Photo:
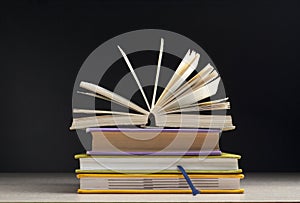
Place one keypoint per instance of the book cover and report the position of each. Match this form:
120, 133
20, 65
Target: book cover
154, 141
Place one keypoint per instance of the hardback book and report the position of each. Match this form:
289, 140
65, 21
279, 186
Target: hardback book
154, 141
183, 102
159, 183
225, 163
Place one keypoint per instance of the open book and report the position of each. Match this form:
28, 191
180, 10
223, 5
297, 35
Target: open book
179, 105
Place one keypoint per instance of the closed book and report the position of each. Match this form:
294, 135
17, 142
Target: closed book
158, 183
124, 164
156, 141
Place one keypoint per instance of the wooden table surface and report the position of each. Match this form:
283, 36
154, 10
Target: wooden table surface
61, 187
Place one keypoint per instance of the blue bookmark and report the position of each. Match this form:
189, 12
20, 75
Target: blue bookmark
188, 180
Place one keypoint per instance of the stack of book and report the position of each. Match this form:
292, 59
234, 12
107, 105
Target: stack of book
120, 163
181, 154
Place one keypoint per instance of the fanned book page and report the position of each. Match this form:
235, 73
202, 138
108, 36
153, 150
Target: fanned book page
179, 105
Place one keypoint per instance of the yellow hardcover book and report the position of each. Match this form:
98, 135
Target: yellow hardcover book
236, 191
158, 183
78, 171
225, 163
240, 176
223, 155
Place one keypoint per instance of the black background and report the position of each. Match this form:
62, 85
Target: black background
255, 46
